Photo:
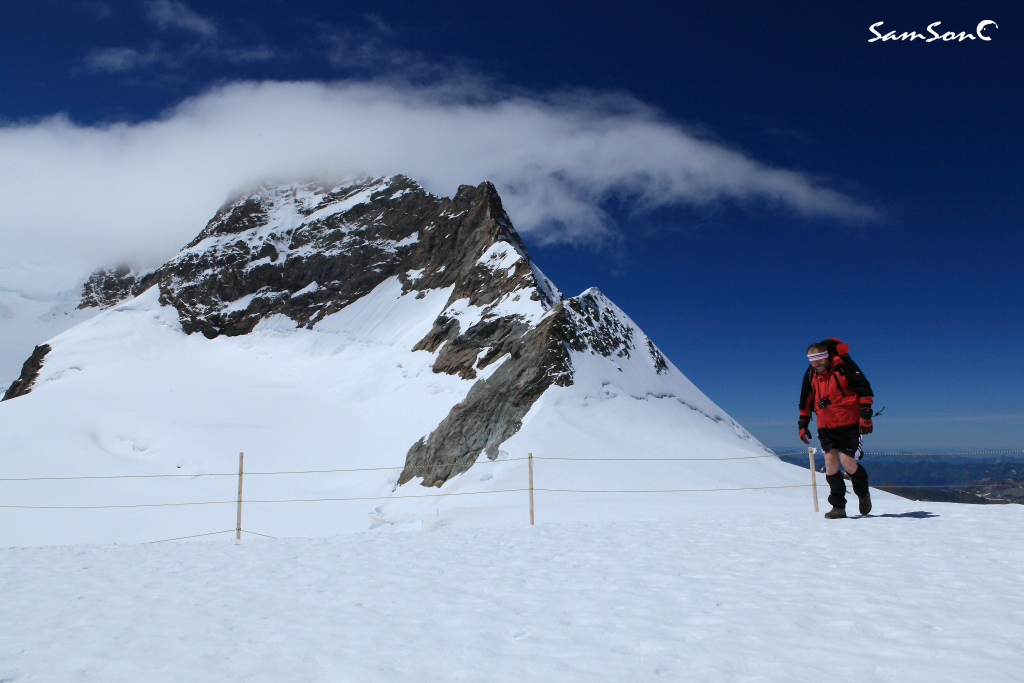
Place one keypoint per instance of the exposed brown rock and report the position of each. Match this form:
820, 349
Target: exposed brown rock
106, 287
29, 373
494, 407
346, 254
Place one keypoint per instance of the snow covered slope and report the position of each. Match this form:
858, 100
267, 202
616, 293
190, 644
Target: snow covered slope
370, 327
36, 303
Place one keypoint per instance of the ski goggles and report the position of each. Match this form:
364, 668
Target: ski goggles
817, 356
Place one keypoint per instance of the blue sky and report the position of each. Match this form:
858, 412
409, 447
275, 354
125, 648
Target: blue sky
741, 180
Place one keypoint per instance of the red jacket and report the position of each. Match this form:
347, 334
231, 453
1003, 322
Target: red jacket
837, 394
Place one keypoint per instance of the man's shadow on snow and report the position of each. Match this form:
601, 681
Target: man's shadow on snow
920, 514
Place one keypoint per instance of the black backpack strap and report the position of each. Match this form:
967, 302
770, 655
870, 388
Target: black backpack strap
855, 378
806, 400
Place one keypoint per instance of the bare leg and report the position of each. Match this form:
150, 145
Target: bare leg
832, 461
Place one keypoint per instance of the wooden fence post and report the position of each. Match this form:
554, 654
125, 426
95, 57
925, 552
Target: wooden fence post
529, 460
814, 480
238, 523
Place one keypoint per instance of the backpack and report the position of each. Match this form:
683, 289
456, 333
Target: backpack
836, 348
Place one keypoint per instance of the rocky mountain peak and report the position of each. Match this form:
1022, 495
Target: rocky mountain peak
304, 252
291, 256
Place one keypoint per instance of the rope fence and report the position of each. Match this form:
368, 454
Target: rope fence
252, 474
212, 533
286, 500
383, 469
531, 489
196, 475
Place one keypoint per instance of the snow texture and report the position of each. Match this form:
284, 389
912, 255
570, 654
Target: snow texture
738, 587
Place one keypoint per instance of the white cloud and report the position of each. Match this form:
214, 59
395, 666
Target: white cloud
121, 59
173, 14
126, 59
142, 190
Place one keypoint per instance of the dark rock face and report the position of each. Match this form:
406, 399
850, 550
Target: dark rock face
660, 364
495, 336
538, 357
106, 287
305, 253
29, 373
595, 327
494, 407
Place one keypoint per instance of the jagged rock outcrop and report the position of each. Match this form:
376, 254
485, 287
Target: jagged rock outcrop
494, 407
537, 359
306, 252
107, 286
29, 373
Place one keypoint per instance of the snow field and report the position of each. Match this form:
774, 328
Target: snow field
126, 393
743, 588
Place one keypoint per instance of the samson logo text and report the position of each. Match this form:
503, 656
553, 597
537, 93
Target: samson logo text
947, 36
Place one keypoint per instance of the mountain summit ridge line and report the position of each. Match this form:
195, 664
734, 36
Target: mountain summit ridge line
290, 256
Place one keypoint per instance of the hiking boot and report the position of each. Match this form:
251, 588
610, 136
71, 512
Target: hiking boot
859, 478
836, 513
865, 503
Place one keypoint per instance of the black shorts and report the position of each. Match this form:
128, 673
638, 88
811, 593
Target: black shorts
845, 438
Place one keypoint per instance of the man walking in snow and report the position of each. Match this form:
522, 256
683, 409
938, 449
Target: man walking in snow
836, 389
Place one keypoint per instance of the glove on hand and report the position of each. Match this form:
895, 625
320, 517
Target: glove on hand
805, 433
866, 413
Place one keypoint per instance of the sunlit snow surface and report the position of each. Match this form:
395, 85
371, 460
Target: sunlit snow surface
738, 587
126, 393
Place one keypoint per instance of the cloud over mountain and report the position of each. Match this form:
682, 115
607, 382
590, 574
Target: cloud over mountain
142, 189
